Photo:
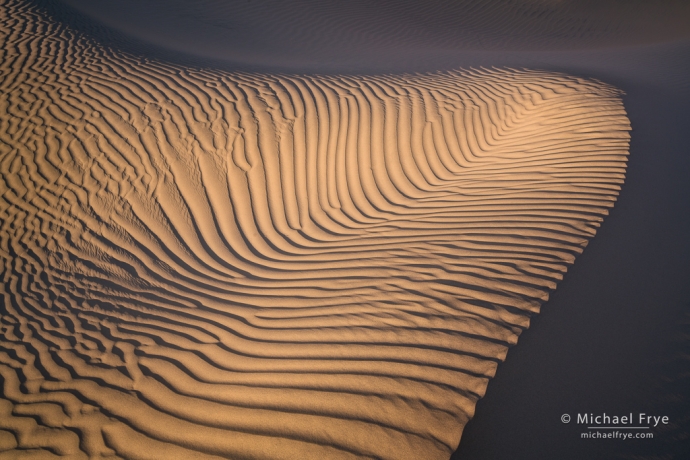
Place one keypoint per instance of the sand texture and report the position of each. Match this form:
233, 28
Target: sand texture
203, 264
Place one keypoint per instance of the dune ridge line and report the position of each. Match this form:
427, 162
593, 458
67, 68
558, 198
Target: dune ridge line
204, 264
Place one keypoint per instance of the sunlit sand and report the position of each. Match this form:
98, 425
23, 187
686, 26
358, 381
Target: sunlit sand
208, 264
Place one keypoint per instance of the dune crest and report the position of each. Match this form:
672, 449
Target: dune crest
202, 264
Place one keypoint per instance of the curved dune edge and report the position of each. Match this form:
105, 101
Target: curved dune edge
201, 264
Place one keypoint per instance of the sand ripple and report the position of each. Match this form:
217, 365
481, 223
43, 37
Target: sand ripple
199, 264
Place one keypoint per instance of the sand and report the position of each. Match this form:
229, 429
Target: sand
200, 263
612, 337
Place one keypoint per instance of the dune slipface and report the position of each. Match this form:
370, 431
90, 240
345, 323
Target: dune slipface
202, 264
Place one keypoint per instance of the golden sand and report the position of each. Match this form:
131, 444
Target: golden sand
202, 264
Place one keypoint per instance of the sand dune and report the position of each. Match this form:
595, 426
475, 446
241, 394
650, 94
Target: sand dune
203, 264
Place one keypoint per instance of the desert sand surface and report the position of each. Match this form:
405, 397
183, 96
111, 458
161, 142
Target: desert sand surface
207, 263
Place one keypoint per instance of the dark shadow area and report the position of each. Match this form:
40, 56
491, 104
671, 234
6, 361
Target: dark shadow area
326, 36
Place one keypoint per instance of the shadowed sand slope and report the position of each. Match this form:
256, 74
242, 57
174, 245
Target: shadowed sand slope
314, 33
199, 264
